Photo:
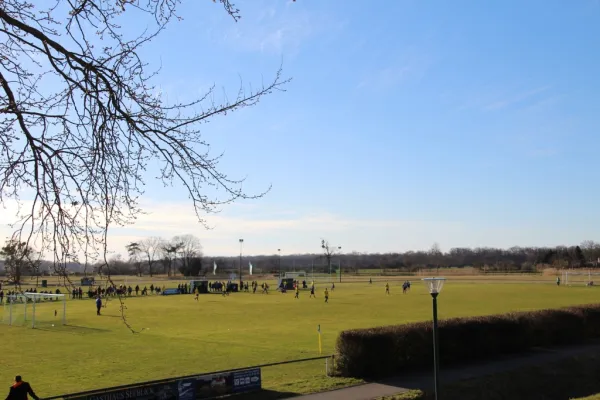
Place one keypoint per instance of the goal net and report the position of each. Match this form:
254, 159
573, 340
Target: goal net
581, 278
35, 310
300, 275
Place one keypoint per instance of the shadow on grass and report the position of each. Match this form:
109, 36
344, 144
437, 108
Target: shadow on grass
569, 378
71, 329
265, 394
111, 316
80, 328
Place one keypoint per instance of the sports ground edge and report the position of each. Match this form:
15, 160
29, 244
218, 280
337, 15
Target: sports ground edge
197, 387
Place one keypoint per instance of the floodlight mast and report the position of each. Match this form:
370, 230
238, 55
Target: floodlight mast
435, 285
279, 251
241, 244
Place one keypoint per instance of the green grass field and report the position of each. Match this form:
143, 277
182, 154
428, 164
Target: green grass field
182, 336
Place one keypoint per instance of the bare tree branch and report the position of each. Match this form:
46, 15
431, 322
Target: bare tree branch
81, 122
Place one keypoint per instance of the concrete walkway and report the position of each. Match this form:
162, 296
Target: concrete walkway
370, 391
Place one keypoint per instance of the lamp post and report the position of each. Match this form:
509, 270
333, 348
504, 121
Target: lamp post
241, 244
340, 264
279, 252
434, 285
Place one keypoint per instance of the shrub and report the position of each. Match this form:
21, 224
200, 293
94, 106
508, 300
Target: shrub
384, 351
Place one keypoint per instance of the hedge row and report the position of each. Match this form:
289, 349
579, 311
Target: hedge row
385, 351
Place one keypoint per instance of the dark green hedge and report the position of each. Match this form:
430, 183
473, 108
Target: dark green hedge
389, 350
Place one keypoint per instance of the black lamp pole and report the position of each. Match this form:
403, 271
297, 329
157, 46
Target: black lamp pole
436, 354
340, 263
241, 243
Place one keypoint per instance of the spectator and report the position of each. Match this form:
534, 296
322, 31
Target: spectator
20, 390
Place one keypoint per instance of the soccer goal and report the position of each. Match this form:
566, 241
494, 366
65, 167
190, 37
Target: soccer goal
581, 277
300, 275
35, 310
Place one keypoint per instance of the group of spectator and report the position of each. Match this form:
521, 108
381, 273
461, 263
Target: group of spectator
220, 287
184, 288
229, 286
124, 290
18, 294
128, 290
78, 292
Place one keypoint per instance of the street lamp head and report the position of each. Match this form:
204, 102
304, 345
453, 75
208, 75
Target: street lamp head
241, 240
434, 285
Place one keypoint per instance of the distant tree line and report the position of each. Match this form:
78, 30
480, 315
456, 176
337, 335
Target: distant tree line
182, 255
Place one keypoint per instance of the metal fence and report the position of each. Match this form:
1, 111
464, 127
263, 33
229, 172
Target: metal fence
141, 385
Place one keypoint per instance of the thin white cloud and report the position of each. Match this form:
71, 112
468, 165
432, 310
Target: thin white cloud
266, 230
543, 153
515, 99
410, 67
281, 29
386, 78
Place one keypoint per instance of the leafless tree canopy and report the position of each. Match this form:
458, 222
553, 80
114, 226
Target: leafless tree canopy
81, 120
151, 249
329, 251
19, 259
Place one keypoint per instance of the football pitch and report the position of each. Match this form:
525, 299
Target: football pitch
181, 336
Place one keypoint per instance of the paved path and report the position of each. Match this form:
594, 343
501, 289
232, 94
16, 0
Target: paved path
370, 391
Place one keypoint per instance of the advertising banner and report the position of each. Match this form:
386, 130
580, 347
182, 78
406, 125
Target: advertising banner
200, 387
168, 292
246, 381
164, 391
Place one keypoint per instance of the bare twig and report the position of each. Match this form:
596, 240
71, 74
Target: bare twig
80, 121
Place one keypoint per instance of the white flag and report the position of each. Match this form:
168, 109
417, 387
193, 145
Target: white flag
214, 267
250, 264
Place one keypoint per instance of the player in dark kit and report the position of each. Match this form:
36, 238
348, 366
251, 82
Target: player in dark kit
312, 292
326, 296
98, 305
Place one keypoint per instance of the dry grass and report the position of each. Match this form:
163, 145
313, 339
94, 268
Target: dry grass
188, 337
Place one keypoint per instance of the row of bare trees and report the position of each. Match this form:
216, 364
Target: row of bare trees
525, 259
149, 255
183, 254
516, 258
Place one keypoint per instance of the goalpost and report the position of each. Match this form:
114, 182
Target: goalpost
295, 275
580, 277
35, 309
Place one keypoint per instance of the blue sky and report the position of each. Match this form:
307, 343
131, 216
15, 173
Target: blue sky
406, 123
